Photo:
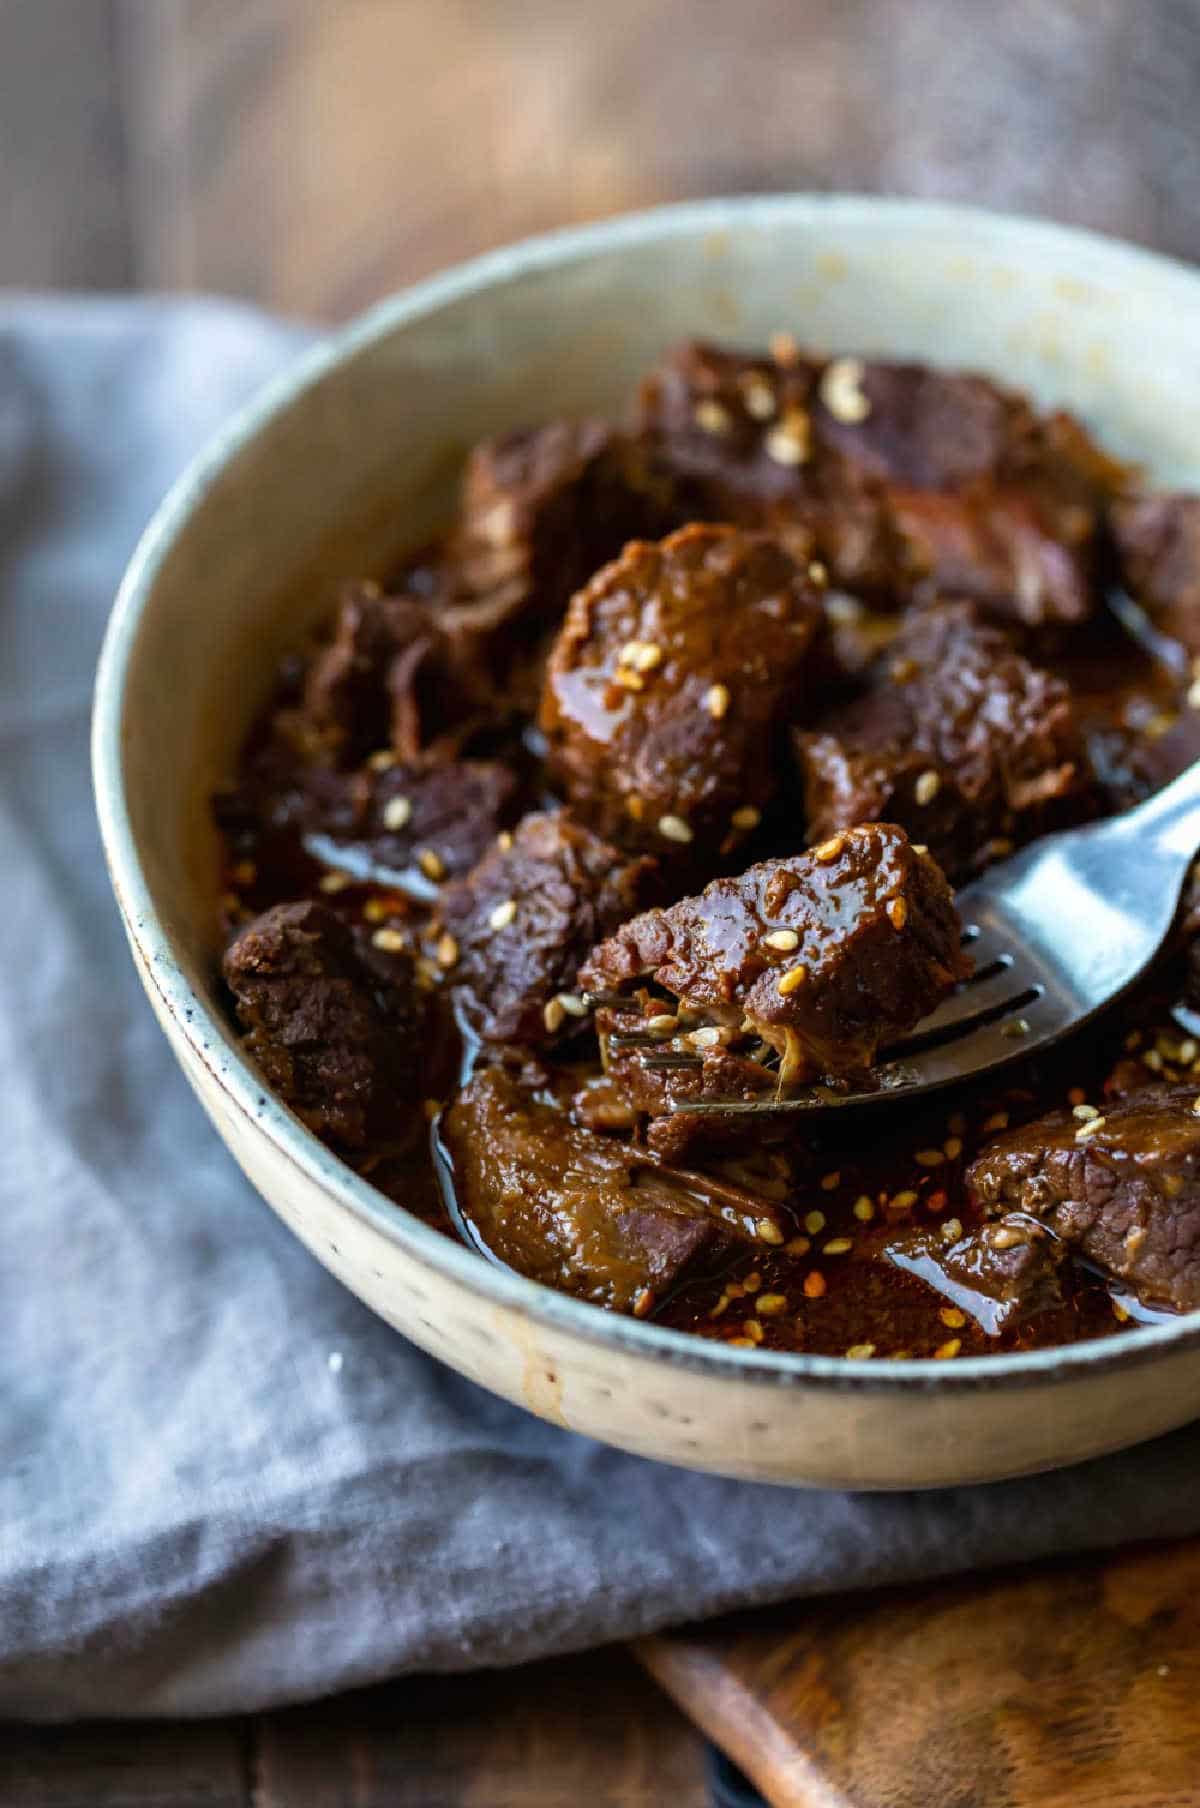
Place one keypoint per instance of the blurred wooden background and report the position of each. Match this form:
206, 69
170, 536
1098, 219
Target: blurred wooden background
313, 154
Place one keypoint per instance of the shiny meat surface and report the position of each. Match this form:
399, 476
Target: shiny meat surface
958, 738
825, 956
669, 687
583, 1212
1122, 1187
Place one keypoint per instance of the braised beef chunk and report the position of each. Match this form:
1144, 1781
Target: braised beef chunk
824, 956
1122, 1189
1158, 547
649, 1093
333, 1024
1000, 1274
894, 475
584, 1213
670, 683
389, 679
958, 738
514, 931
542, 508
410, 823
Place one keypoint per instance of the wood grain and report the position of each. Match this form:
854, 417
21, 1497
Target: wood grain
1063, 1686
589, 1731
120, 1766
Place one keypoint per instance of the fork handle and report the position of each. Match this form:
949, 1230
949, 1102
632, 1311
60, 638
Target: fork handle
1172, 815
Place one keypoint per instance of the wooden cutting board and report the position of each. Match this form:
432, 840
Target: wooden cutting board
1066, 1685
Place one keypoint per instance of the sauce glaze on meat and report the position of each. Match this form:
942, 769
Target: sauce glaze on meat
694, 712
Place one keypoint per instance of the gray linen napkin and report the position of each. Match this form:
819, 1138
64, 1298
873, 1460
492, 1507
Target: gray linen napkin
224, 1485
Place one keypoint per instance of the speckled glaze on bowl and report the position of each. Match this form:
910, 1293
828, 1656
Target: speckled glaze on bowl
352, 455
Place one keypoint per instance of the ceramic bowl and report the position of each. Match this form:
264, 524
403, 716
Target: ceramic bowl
352, 456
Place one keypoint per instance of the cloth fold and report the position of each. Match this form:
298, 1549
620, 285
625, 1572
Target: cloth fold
225, 1485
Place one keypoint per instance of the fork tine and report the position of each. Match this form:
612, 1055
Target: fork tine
976, 997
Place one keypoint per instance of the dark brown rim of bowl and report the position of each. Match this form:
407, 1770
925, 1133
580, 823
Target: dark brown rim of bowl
210, 1038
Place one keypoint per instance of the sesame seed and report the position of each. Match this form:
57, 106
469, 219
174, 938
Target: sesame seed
629, 652
1085, 1112
758, 396
947, 1351
740, 1343
841, 391
572, 1004
799, 1246
920, 847
752, 1329
635, 806
1188, 1050
898, 913
814, 1285
904, 670
863, 1208
647, 657
927, 787
813, 1222
952, 1318
397, 813
953, 1147
643, 1303
768, 1231
376, 911
721, 1306
904, 1201
1193, 694
390, 941
746, 817
1196, 1107
334, 882
951, 1230
504, 840
552, 1015
829, 850
783, 939
629, 680
998, 1121
431, 864
705, 1038
503, 914
831, 1181
1006, 1237
1014, 1030
930, 1158
1120, 1313
838, 1246
860, 1352
784, 350
664, 1021
711, 416
819, 574
674, 828
716, 701
379, 762
791, 441
790, 981
770, 1305
1089, 1128
1153, 1060
447, 950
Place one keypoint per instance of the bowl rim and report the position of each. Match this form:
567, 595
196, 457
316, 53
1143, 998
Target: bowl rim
211, 1041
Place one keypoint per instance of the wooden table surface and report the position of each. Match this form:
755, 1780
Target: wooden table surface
311, 157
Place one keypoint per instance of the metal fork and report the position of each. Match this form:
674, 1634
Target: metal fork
1057, 933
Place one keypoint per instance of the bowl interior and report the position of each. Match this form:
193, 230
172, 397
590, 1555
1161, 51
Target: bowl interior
354, 456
